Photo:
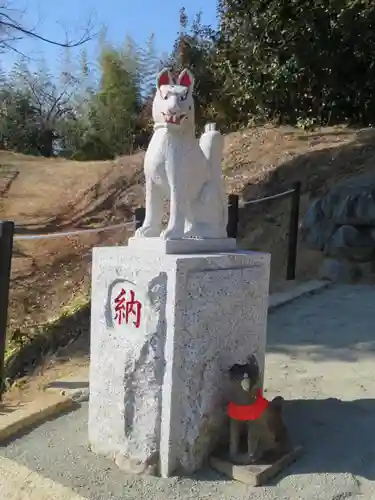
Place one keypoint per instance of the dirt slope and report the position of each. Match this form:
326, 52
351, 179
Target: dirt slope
56, 195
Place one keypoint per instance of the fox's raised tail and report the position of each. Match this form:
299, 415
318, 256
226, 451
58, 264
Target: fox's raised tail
212, 144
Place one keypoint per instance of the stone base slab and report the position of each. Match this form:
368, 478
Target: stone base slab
183, 245
158, 382
255, 474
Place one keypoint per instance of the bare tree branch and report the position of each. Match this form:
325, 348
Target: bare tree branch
12, 31
13, 26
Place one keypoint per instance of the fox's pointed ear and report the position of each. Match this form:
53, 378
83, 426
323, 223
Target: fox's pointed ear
252, 360
186, 79
254, 366
164, 78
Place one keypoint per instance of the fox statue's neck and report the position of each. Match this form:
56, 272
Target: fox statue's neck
187, 132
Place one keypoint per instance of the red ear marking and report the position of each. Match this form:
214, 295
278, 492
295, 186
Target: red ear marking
185, 79
164, 78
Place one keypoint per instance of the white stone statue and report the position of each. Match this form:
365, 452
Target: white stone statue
182, 169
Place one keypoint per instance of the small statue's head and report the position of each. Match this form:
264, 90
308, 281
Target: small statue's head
245, 376
173, 104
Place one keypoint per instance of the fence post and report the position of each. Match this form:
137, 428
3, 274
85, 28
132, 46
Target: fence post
139, 217
233, 201
293, 232
6, 249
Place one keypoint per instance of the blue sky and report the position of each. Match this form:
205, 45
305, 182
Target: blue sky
137, 18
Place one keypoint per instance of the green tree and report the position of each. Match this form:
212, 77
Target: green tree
115, 106
18, 121
112, 104
150, 63
195, 48
299, 61
85, 112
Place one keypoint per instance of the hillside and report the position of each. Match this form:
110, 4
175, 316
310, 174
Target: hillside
56, 195
51, 277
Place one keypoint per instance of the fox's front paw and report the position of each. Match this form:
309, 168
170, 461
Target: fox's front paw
172, 234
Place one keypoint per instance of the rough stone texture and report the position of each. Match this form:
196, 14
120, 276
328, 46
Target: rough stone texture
351, 243
316, 230
162, 387
351, 202
346, 271
225, 311
126, 363
342, 222
339, 271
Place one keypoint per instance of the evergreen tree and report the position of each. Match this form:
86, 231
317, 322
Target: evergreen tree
195, 48
299, 61
115, 106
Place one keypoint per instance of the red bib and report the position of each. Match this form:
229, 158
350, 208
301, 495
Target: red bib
248, 412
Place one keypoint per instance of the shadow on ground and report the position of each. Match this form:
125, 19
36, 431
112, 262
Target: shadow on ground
6, 408
337, 437
334, 324
59, 384
67, 338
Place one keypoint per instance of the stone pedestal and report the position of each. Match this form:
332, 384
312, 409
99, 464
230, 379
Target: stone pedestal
165, 328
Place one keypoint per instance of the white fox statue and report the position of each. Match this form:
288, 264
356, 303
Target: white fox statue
179, 167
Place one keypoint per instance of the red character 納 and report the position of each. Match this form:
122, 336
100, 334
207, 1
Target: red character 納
126, 308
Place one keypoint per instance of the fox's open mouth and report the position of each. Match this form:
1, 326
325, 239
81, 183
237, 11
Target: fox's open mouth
175, 119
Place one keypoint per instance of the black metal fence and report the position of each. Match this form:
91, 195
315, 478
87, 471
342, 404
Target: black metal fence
233, 219
8, 234
294, 193
6, 250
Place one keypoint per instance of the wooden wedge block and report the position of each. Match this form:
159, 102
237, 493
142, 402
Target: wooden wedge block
254, 475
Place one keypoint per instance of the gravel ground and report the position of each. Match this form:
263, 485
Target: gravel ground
321, 359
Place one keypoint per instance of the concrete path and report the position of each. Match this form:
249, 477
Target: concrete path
321, 358
20, 483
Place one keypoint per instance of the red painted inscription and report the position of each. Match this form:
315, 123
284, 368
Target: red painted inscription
126, 308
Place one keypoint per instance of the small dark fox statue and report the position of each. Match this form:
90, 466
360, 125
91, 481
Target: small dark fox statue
257, 430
